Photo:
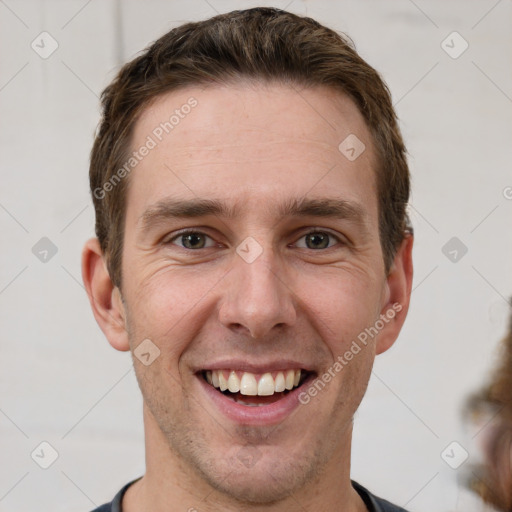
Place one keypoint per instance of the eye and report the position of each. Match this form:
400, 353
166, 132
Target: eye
193, 240
190, 240
318, 240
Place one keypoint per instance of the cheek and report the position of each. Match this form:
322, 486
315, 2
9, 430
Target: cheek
170, 306
341, 303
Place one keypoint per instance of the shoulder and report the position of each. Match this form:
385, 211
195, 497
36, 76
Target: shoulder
374, 503
115, 504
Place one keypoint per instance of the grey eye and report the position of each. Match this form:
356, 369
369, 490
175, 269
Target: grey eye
318, 240
191, 240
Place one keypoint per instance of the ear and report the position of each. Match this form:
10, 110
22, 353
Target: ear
105, 298
397, 295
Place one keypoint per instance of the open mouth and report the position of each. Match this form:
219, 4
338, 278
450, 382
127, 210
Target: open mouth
255, 390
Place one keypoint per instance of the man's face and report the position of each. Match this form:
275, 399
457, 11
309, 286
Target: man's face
267, 290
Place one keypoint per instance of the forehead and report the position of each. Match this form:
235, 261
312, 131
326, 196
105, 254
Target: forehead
253, 144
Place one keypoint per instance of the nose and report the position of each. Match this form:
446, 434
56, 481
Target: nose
257, 297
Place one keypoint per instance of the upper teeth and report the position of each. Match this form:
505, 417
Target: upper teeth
249, 384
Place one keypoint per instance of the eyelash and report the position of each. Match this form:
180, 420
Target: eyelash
197, 232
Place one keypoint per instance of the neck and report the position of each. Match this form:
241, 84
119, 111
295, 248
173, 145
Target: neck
171, 484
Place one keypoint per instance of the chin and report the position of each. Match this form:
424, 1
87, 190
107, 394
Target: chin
258, 485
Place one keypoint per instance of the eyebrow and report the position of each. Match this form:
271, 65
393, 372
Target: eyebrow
170, 208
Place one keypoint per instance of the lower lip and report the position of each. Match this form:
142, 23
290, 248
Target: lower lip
269, 414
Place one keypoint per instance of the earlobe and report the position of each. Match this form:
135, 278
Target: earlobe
104, 297
397, 295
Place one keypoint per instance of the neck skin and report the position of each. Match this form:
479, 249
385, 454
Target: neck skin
170, 482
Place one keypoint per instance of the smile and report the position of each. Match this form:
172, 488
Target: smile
255, 389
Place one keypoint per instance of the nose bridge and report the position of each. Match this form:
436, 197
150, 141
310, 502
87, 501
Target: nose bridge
256, 296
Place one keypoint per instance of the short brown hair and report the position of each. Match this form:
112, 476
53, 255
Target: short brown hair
260, 44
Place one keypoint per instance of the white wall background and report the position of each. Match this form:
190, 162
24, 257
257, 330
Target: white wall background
61, 382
